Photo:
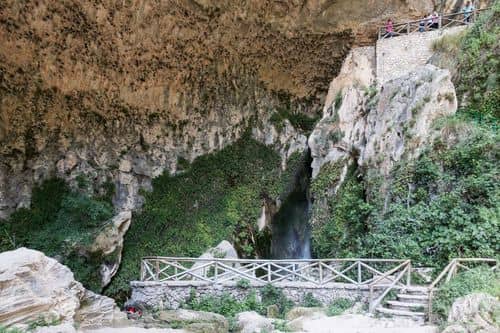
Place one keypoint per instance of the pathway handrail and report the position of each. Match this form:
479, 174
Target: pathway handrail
399, 29
320, 272
275, 260
404, 268
451, 270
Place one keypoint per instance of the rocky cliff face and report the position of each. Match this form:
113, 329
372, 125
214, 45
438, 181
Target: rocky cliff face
121, 91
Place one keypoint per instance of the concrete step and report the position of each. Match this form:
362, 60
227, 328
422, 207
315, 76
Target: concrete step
416, 290
397, 305
408, 298
401, 313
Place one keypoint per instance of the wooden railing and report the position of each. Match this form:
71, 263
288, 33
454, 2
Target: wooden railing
444, 21
323, 272
451, 270
402, 271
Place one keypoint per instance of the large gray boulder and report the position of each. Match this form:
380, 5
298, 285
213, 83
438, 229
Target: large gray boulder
194, 321
33, 285
252, 322
474, 313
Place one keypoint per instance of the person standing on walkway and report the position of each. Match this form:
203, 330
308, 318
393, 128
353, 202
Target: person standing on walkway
468, 10
435, 21
421, 24
389, 28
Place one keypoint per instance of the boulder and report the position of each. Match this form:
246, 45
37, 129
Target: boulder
109, 245
252, 322
273, 311
474, 313
34, 286
299, 311
223, 250
194, 321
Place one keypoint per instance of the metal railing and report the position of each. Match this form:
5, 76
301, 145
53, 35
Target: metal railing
444, 21
451, 270
322, 272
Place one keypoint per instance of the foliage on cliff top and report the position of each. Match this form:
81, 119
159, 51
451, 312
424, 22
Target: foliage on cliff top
59, 223
218, 197
473, 57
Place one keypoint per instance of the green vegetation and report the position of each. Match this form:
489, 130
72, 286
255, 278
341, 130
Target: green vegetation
219, 196
479, 280
61, 222
309, 301
274, 296
298, 119
226, 305
341, 221
338, 306
229, 306
441, 205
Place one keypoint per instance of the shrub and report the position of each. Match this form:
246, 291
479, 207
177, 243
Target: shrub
243, 284
473, 281
309, 301
60, 222
338, 306
273, 296
225, 305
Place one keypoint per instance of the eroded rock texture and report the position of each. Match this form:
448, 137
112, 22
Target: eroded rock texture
119, 91
33, 286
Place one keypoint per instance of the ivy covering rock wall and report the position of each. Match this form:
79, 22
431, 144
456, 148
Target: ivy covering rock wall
219, 196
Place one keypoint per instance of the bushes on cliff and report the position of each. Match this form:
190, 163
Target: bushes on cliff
59, 223
219, 196
440, 206
479, 280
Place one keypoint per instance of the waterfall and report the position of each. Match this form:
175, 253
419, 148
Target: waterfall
290, 229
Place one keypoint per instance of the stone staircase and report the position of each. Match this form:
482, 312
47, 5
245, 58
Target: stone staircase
410, 303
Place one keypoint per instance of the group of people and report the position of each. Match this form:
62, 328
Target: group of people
431, 21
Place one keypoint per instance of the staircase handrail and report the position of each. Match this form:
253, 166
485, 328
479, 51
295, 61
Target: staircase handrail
406, 270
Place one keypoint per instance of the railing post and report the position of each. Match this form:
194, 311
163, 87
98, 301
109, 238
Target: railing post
157, 270
431, 294
216, 273
320, 273
359, 272
408, 277
142, 270
408, 28
269, 272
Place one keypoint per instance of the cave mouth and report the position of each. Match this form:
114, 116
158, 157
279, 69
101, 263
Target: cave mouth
290, 229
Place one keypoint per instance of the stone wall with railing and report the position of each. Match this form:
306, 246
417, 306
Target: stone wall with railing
398, 56
173, 295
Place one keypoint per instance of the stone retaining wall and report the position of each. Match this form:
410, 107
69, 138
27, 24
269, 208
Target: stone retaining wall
171, 296
399, 56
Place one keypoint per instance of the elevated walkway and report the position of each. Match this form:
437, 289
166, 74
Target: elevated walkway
409, 49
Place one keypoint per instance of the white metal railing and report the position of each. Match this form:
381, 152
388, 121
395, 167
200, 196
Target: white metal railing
444, 21
321, 272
